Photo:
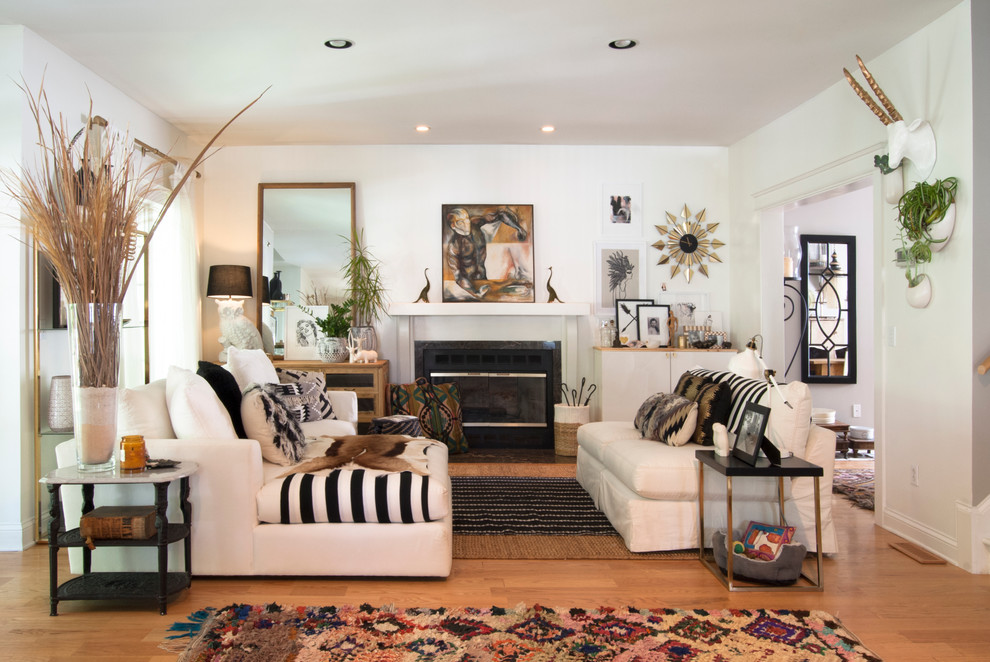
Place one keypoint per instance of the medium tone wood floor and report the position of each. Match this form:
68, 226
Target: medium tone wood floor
902, 610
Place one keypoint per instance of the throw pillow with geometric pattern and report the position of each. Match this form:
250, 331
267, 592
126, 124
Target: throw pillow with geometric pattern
438, 407
305, 395
689, 385
714, 402
672, 421
645, 409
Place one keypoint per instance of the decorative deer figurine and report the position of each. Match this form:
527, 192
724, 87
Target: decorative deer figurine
914, 141
359, 355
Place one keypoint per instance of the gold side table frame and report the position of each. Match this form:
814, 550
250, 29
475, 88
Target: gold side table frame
730, 467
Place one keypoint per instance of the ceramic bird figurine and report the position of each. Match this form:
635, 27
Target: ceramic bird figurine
424, 294
235, 329
552, 292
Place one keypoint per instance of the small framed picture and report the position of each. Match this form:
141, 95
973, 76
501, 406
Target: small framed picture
749, 438
653, 325
620, 273
627, 318
622, 209
301, 333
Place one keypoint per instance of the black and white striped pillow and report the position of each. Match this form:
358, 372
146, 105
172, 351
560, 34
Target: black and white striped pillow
358, 495
743, 390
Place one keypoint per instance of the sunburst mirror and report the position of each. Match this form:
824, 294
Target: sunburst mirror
688, 243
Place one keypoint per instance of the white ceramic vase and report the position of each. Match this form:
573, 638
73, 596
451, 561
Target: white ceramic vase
942, 230
920, 295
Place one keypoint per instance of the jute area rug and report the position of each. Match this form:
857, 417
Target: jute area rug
533, 511
268, 633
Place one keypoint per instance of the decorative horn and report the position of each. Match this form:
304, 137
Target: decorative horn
894, 115
867, 99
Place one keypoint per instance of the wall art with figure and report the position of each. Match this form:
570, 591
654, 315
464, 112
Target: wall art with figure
620, 273
488, 253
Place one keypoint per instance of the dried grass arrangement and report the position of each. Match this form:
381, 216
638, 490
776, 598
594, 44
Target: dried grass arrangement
81, 206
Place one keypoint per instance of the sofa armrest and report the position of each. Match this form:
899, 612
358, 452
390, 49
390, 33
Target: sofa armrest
819, 450
222, 498
344, 405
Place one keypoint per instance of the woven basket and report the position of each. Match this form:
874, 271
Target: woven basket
566, 421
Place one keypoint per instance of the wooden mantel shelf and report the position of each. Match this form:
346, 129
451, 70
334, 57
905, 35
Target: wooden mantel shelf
544, 309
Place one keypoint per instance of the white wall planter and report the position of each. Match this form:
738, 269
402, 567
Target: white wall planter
893, 186
942, 230
920, 295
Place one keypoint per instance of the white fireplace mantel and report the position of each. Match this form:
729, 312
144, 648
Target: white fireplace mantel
500, 321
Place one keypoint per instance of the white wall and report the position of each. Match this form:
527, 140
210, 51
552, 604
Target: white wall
400, 190
69, 88
924, 382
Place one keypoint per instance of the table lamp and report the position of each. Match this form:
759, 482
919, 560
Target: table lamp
749, 363
230, 284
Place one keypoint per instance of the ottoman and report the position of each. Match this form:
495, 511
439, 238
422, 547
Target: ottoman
396, 424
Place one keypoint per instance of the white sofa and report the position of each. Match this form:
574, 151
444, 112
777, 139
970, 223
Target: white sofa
229, 539
649, 490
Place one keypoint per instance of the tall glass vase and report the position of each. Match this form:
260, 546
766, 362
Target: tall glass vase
94, 342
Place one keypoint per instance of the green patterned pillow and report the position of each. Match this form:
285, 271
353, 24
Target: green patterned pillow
438, 407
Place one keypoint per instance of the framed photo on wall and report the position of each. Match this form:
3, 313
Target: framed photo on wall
627, 318
620, 273
622, 210
653, 327
487, 253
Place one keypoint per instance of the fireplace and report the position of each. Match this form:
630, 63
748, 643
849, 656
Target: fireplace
507, 388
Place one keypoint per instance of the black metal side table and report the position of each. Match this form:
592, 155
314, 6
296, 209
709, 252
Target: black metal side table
731, 467
121, 585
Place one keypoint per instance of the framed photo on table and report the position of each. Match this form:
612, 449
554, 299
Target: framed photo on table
627, 318
652, 321
749, 438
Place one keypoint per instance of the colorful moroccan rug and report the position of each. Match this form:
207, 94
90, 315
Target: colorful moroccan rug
268, 633
855, 485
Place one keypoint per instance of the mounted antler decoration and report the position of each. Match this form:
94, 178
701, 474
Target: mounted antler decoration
915, 142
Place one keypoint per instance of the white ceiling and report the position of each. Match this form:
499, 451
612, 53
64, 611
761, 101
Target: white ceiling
706, 72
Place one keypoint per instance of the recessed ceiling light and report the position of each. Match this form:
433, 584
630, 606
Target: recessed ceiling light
422, 128
549, 128
338, 44
622, 44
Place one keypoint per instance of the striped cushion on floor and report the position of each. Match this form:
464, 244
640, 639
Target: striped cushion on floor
357, 495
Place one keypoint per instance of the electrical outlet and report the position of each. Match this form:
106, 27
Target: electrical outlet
857, 411
914, 475
892, 336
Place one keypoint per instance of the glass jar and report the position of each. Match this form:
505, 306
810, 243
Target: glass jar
133, 453
606, 333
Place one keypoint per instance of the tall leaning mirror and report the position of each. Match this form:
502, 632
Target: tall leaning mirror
303, 241
829, 288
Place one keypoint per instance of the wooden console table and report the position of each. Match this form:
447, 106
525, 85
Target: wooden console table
368, 380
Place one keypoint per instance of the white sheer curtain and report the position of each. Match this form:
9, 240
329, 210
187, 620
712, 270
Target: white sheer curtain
173, 287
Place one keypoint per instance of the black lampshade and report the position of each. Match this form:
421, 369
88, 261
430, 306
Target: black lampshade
266, 296
229, 281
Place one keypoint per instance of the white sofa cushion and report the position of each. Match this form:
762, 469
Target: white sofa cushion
194, 408
250, 366
143, 410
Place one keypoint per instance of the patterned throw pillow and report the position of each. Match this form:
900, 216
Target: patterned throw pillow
714, 402
438, 407
645, 409
742, 390
689, 385
672, 421
305, 395
268, 421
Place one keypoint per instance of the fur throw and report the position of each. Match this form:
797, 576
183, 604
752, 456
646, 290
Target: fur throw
384, 452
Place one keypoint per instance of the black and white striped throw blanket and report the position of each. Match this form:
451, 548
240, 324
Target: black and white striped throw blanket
353, 495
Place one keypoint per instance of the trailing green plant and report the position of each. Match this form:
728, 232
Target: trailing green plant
337, 321
364, 279
921, 207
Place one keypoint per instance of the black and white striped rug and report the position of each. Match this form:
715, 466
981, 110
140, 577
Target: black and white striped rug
504, 505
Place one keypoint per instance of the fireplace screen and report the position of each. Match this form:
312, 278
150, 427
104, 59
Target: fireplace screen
500, 399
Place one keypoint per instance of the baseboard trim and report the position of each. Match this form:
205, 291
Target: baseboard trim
14, 538
927, 538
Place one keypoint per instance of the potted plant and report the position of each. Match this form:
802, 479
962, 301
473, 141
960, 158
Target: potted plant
926, 216
367, 291
333, 345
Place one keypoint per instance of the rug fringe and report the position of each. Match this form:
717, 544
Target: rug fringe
195, 626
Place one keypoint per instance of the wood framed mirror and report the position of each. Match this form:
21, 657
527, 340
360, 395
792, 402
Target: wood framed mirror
828, 285
304, 232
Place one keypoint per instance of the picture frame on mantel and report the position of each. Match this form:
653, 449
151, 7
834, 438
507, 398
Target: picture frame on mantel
622, 210
627, 318
487, 253
620, 273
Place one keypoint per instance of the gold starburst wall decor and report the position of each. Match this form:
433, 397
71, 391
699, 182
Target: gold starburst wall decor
688, 243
